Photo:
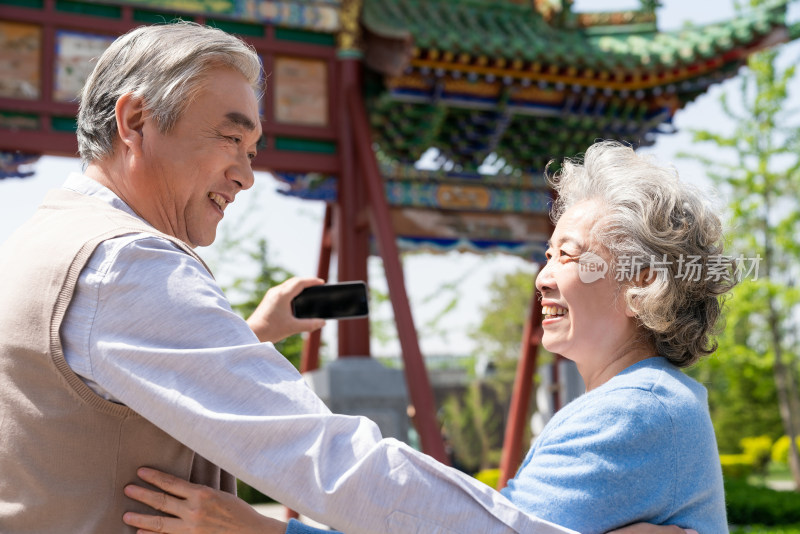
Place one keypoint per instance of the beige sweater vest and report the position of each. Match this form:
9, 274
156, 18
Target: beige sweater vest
66, 453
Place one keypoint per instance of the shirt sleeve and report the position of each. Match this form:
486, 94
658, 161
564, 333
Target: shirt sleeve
165, 342
612, 462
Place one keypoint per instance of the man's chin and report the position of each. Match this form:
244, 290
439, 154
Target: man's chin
201, 241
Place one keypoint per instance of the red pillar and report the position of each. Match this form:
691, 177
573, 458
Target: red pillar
309, 359
521, 396
352, 243
419, 387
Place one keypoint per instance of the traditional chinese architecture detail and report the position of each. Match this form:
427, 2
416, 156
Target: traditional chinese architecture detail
528, 83
349, 37
532, 92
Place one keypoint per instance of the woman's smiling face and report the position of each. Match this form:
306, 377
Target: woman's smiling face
585, 317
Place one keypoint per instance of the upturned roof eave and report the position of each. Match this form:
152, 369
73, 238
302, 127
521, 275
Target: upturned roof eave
592, 51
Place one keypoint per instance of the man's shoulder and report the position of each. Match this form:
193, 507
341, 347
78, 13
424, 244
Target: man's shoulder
111, 234
134, 249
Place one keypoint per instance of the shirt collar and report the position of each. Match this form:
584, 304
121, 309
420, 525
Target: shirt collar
84, 185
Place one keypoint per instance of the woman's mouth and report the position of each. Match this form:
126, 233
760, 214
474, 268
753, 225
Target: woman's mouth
551, 312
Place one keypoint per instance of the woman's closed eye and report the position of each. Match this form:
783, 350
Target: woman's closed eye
567, 257
562, 255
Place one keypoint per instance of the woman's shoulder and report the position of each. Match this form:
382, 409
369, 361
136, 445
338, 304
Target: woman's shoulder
668, 386
652, 395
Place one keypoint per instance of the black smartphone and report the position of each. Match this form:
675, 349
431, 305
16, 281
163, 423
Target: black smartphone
347, 300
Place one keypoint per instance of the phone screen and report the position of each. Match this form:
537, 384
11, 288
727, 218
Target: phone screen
347, 300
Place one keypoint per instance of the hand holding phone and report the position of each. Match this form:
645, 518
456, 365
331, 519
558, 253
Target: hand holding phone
346, 300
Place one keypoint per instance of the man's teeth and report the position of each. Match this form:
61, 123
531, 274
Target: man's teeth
553, 310
221, 202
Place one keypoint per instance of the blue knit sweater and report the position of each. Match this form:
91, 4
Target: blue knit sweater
638, 448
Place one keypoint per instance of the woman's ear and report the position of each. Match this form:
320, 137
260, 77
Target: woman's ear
130, 115
643, 278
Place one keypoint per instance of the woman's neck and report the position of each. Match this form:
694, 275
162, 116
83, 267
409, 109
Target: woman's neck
597, 371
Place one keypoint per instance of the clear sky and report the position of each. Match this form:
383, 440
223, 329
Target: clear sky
293, 227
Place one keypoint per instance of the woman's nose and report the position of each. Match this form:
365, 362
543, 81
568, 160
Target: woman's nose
545, 280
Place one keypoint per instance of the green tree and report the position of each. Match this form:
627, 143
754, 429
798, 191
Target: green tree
498, 337
741, 393
474, 428
761, 174
474, 422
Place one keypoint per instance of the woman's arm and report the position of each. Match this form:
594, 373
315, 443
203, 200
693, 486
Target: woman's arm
201, 510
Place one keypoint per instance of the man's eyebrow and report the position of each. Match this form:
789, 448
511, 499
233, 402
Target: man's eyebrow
238, 119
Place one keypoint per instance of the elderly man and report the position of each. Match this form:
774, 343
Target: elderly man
118, 349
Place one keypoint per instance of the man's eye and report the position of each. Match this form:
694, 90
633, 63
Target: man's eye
234, 139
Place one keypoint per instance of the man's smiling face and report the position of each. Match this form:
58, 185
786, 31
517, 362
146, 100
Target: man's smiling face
196, 169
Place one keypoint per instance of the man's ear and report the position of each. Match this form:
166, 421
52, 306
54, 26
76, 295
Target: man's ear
130, 115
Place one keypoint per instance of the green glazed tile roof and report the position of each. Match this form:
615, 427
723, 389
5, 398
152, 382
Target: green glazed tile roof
497, 78
512, 30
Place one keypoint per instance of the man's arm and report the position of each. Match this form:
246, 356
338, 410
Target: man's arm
165, 342
202, 510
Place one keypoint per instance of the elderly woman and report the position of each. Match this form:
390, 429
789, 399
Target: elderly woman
631, 293
638, 445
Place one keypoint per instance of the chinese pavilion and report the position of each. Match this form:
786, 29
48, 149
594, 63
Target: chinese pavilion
358, 90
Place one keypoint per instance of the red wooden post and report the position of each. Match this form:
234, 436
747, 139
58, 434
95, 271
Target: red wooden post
419, 387
309, 360
352, 244
521, 396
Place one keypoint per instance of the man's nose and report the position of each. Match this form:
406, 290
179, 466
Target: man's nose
242, 174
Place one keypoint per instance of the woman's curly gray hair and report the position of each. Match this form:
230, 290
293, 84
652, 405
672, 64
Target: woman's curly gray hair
651, 220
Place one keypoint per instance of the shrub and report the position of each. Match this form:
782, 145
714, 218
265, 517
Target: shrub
736, 466
780, 450
753, 505
490, 477
250, 495
758, 449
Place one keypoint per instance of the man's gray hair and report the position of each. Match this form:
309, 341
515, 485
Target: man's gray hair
164, 65
651, 219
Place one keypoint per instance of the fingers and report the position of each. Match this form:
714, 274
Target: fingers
309, 325
158, 500
154, 499
296, 284
164, 481
151, 523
